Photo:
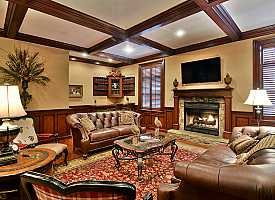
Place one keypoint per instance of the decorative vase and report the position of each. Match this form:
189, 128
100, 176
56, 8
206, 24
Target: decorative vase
175, 83
227, 80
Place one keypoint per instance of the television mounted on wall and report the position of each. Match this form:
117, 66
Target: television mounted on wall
201, 71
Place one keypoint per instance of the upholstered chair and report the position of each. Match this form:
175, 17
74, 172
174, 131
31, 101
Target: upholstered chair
43, 187
28, 137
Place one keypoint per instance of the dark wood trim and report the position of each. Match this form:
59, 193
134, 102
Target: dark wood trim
257, 67
105, 44
221, 17
48, 42
115, 57
14, 18
204, 45
267, 30
150, 43
91, 61
178, 12
66, 13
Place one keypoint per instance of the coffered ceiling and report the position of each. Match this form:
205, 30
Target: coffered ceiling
122, 32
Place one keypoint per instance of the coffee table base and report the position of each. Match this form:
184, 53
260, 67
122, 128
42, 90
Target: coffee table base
120, 153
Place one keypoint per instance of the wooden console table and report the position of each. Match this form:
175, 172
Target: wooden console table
36, 159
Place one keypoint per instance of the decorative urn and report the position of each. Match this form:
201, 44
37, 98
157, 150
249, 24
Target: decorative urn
227, 80
175, 83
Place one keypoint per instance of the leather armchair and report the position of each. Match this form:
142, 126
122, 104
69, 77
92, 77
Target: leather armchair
216, 175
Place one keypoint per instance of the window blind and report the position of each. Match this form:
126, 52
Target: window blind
268, 74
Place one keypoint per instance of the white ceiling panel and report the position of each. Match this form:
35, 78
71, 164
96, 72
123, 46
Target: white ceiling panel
131, 50
93, 57
194, 29
46, 26
3, 11
122, 13
251, 14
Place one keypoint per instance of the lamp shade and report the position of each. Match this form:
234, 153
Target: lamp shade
10, 102
258, 98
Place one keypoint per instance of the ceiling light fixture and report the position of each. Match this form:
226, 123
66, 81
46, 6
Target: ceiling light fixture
128, 49
73, 58
180, 33
97, 63
84, 54
110, 59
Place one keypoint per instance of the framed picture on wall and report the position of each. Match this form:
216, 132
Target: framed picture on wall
75, 91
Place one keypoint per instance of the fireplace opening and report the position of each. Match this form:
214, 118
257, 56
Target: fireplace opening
201, 117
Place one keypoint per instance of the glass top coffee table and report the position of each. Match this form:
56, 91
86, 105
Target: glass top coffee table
134, 148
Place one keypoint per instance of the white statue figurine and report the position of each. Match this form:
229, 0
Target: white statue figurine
158, 126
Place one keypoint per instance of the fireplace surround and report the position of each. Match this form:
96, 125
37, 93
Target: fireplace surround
221, 96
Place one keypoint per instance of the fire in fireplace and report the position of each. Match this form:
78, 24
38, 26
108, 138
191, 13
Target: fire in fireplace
201, 117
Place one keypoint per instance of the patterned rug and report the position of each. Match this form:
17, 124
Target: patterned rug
156, 170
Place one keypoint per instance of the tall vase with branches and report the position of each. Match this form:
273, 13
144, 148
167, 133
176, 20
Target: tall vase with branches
23, 67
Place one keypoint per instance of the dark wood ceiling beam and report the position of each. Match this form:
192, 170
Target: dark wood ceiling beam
63, 12
258, 32
105, 44
115, 57
150, 43
48, 42
215, 2
221, 17
178, 12
91, 61
14, 18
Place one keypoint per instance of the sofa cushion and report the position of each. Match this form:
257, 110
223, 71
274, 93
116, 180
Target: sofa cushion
107, 122
251, 131
264, 131
99, 124
103, 134
242, 144
114, 121
126, 118
87, 123
123, 129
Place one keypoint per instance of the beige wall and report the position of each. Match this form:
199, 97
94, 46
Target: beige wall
236, 59
82, 74
55, 94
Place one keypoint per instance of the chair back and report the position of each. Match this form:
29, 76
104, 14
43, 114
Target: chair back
42, 187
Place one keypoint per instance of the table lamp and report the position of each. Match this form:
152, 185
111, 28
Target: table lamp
258, 98
10, 107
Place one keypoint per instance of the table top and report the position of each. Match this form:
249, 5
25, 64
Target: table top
27, 160
146, 142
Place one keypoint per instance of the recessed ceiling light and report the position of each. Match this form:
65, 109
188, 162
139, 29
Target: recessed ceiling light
128, 49
73, 58
84, 54
97, 63
180, 33
110, 59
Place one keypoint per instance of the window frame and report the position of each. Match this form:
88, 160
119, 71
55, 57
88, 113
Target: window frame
162, 84
258, 46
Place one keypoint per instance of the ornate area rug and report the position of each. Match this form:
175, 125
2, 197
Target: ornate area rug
156, 170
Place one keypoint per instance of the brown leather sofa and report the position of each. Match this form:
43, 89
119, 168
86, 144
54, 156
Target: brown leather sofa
215, 174
107, 130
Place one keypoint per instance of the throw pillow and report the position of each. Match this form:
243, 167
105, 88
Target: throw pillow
242, 144
126, 118
87, 123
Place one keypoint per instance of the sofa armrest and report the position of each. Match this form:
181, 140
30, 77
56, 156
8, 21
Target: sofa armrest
250, 181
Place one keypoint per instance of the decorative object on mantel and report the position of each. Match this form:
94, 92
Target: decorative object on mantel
175, 83
258, 98
227, 80
23, 68
10, 107
158, 125
75, 91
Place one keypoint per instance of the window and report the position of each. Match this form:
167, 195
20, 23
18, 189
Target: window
264, 71
151, 85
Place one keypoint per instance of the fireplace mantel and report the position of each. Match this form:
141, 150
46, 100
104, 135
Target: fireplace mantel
225, 93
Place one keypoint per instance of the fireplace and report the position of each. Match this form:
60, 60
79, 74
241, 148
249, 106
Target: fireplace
201, 117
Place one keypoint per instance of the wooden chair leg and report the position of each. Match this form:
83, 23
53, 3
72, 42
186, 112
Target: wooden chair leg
66, 156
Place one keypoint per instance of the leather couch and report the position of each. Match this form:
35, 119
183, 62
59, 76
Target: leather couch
105, 134
216, 175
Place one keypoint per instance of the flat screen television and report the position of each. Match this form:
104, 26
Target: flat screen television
201, 71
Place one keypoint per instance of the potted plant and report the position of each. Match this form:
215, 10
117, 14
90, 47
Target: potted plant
23, 67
